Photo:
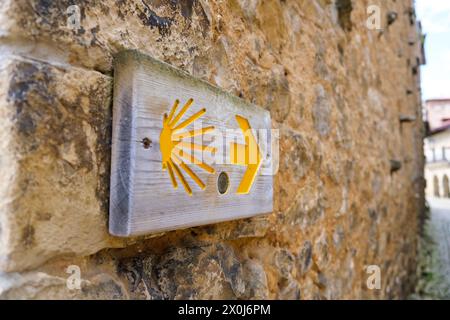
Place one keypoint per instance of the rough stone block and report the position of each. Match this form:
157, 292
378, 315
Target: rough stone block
55, 136
106, 27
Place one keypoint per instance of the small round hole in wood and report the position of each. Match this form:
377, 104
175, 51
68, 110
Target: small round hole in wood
147, 143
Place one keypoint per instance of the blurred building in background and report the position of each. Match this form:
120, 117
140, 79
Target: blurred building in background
437, 148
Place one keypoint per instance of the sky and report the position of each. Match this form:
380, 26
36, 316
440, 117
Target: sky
435, 18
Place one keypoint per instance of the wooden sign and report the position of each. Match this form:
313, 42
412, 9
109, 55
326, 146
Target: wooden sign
184, 153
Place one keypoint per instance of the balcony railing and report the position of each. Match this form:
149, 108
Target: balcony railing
438, 155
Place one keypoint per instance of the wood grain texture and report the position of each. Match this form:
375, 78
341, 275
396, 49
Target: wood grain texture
143, 199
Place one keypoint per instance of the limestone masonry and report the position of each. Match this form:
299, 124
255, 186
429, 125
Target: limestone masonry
349, 192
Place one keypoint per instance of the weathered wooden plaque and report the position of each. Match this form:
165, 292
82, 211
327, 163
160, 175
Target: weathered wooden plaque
184, 153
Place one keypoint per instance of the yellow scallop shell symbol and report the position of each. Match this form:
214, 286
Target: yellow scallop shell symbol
175, 151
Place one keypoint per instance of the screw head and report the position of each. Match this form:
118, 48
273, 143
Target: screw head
223, 183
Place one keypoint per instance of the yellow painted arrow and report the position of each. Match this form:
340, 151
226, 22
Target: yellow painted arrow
247, 155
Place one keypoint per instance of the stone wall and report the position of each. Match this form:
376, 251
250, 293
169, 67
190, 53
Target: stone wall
349, 192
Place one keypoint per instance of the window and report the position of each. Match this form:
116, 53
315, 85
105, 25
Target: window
436, 187
445, 187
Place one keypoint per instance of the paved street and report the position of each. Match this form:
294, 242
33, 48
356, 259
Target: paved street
440, 232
